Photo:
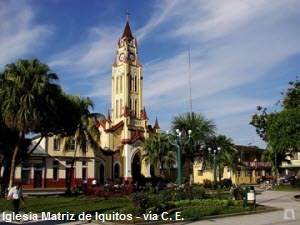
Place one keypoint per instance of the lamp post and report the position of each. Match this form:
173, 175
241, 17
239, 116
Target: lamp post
179, 141
215, 154
276, 170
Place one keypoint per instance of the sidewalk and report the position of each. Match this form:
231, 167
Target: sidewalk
289, 214
43, 192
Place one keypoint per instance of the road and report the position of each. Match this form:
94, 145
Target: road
288, 215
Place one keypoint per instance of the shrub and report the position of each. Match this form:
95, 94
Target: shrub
198, 192
127, 189
238, 192
141, 200
208, 183
297, 183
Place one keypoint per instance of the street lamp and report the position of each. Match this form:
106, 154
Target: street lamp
180, 135
276, 170
215, 153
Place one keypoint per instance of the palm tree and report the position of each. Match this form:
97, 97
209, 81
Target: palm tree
86, 133
158, 152
227, 154
231, 160
28, 91
202, 128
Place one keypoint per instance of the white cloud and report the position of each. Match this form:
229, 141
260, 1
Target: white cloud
92, 56
243, 40
19, 35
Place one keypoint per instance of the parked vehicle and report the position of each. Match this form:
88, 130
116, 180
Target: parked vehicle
264, 178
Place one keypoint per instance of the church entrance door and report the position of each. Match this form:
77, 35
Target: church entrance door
136, 168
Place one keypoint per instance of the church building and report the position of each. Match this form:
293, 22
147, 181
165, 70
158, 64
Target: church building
122, 133
127, 127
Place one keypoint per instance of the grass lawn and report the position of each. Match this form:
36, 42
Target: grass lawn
286, 187
74, 205
186, 208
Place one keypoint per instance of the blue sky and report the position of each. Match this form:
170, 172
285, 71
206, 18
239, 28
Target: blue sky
243, 52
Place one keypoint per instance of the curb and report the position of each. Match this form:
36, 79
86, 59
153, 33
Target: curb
296, 199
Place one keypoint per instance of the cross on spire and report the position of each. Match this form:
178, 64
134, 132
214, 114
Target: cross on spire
127, 14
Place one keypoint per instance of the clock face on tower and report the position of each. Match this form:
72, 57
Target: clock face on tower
131, 56
122, 57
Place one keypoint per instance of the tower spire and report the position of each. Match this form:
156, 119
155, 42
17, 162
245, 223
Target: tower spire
127, 32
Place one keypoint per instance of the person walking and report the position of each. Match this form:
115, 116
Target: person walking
15, 195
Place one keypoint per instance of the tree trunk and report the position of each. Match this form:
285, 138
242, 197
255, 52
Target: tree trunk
13, 161
5, 179
162, 171
191, 172
69, 181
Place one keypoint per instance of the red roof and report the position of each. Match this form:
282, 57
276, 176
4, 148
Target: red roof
248, 149
127, 31
115, 127
108, 117
125, 111
136, 137
156, 126
144, 114
98, 123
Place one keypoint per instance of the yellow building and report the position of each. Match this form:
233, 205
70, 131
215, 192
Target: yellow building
123, 132
292, 168
253, 168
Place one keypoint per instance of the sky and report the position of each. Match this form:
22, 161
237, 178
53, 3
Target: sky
243, 53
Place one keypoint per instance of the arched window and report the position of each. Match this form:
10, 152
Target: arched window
101, 174
117, 108
116, 171
120, 107
121, 78
130, 104
136, 108
135, 83
117, 84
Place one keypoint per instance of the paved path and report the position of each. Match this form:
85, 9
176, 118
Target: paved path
289, 215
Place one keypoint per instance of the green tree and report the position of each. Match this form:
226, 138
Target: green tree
27, 92
231, 160
158, 152
269, 156
281, 129
227, 156
85, 134
202, 128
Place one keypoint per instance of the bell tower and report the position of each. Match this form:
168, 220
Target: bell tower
127, 98
126, 128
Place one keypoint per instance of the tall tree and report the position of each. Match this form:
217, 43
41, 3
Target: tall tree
202, 128
158, 152
27, 92
85, 134
281, 129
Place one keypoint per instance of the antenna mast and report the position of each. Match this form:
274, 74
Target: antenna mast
190, 76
